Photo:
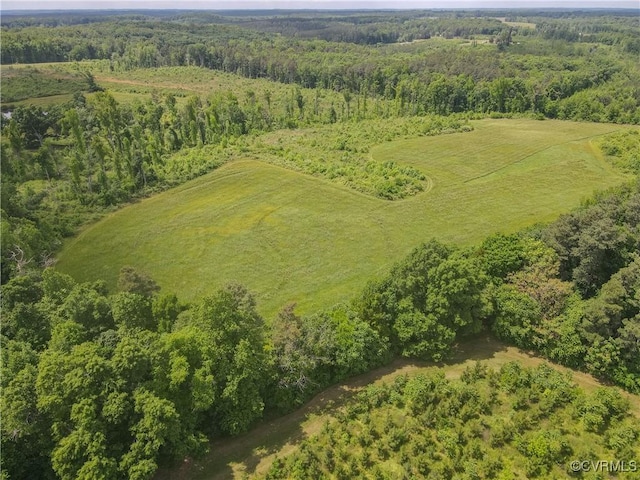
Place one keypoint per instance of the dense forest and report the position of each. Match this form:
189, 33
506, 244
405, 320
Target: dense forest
577, 68
112, 384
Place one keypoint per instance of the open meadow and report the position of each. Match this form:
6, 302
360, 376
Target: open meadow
290, 237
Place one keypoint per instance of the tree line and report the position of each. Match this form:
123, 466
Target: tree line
567, 68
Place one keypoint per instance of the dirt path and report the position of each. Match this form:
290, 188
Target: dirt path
253, 452
202, 86
141, 83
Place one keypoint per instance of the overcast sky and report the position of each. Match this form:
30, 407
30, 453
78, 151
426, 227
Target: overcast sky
307, 4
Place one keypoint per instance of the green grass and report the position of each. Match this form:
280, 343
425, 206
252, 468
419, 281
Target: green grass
530, 25
290, 237
41, 85
185, 81
44, 101
48, 83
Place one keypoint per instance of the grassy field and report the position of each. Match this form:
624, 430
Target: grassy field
140, 84
518, 24
51, 83
290, 237
252, 453
40, 85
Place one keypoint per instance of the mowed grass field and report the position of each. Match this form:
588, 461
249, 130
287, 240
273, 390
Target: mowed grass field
290, 237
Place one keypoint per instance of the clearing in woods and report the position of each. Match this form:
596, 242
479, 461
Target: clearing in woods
291, 237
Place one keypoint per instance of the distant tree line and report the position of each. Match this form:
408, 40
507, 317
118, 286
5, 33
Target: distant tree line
562, 69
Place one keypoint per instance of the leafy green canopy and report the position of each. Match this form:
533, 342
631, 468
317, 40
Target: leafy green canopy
115, 389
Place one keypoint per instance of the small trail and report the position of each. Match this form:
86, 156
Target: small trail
140, 83
522, 159
515, 162
252, 453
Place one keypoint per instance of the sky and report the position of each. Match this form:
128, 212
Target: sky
307, 4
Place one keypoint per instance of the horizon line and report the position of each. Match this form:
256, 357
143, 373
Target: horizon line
316, 9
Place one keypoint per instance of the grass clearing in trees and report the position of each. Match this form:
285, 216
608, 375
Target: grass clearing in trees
43, 83
291, 237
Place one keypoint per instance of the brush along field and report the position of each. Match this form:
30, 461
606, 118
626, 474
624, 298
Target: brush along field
290, 237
